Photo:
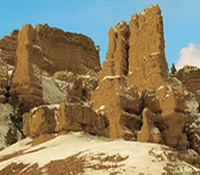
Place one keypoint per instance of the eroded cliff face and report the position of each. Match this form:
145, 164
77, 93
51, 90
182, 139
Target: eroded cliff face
8, 45
46, 50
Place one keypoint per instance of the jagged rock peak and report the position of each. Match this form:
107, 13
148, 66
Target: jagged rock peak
116, 62
147, 63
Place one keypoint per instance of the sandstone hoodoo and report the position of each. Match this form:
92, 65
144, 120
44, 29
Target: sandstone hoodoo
136, 57
57, 89
147, 63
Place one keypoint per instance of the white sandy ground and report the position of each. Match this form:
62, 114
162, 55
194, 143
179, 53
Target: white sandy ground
139, 161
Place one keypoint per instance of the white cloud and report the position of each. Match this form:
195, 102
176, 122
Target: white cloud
189, 56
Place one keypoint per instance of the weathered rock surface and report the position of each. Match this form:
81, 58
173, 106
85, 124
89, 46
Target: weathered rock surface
116, 62
65, 51
148, 132
193, 121
147, 63
170, 100
173, 130
119, 104
9, 134
149, 100
27, 78
8, 45
190, 77
3, 78
173, 119
40, 121
45, 49
49, 119
77, 117
64, 76
54, 90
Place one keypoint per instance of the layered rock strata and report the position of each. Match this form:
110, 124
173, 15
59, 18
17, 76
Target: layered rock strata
46, 49
65, 51
8, 45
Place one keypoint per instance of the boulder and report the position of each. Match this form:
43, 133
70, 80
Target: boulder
77, 117
40, 120
64, 76
173, 133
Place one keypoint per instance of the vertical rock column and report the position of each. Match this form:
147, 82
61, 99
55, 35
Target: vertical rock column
27, 81
116, 62
147, 63
112, 98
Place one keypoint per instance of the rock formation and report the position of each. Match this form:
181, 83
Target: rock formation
3, 78
116, 61
8, 45
121, 106
27, 79
46, 49
147, 63
148, 132
190, 77
65, 51
136, 56
64, 117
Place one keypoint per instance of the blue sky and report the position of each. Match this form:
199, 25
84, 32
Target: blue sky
94, 17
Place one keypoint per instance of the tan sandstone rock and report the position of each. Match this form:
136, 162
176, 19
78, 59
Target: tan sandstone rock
116, 62
76, 117
150, 100
8, 45
190, 77
173, 133
27, 79
39, 121
46, 49
148, 132
170, 100
119, 104
147, 63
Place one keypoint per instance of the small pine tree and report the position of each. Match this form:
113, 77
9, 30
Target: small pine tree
173, 69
